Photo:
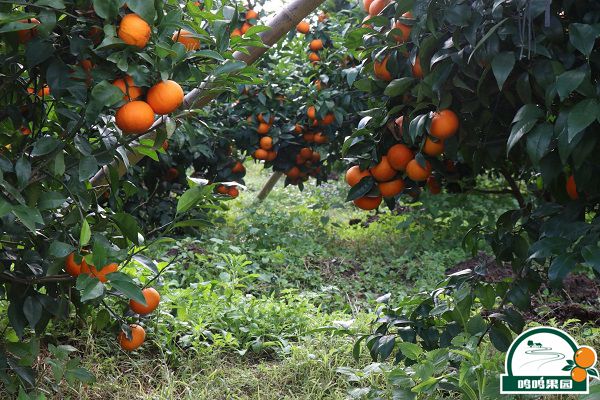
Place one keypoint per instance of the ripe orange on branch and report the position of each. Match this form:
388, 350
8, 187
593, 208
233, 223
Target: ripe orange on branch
444, 124
71, 267
303, 27
314, 57
316, 44
135, 117
404, 29
266, 143
128, 88
187, 39
391, 188
26, 35
355, 175
571, 188
399, 156
165, 97
416, 172
383, 171
134, 31
251, 14
377, 6
263, 128
138, 335
368, 203
100, 274
381, 71
152, 298
432, 148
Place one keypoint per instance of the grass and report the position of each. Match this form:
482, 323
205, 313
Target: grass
243, 305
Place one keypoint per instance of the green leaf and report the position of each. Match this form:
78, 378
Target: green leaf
143, 8
229, 67
59, 249
88, 166
124, 284
51, 200
502, 65
538, 142
85, 234
58, 4
28, 216
90, 287
38, 51
23, 172
569, 81
106, 94
128, 226
32, 309
486, 37
16, 318
189, 199
560, 268
398, 86
412, 351
582, 37
500, 336
518, 131
581, 116
591, 256
361, 188
107, 9
44, 145
79, 374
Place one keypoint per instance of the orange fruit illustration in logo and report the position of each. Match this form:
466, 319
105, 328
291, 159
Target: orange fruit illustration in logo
585, 357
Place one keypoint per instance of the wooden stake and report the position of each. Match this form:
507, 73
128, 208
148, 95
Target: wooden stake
269, 185
280, 25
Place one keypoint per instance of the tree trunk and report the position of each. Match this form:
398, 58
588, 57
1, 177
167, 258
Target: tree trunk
280, 25
269, 185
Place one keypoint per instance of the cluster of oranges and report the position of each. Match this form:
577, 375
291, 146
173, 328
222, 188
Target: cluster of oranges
265, 150
315, 46
400, 159
307, 163
231, 190
249, 20
151, 297
585, 357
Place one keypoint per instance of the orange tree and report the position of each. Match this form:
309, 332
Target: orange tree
464, 89
80, 81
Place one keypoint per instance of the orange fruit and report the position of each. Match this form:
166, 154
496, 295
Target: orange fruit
365, 25
399, 155
152, 298
404, 29
26, 35
134, 31
585, 357
383, 171
311, 112
432, 148
303, 27
236, 32
261, 154
417, 71
263, 128
71, 266
138, 335
245, 27
322, 17
87, 65
328, 119
391, 188
251, 14
368, 203
165, 145
381, 70
571, 188
316, 157
417, 173
318, 84
314, 57
25, 130
298, 128
233, 192
238, 168
367, 4
127, 86
293, 173
171, 174
260, 118
578, 374
308, 137
444, 124
355, 175
134, 117
266, 143
316, 44
377, 6
222, 189
271, 155
306, 153
165, 97
319, 138
187, 39
95, 34
44, 91
101, 275
433, 185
